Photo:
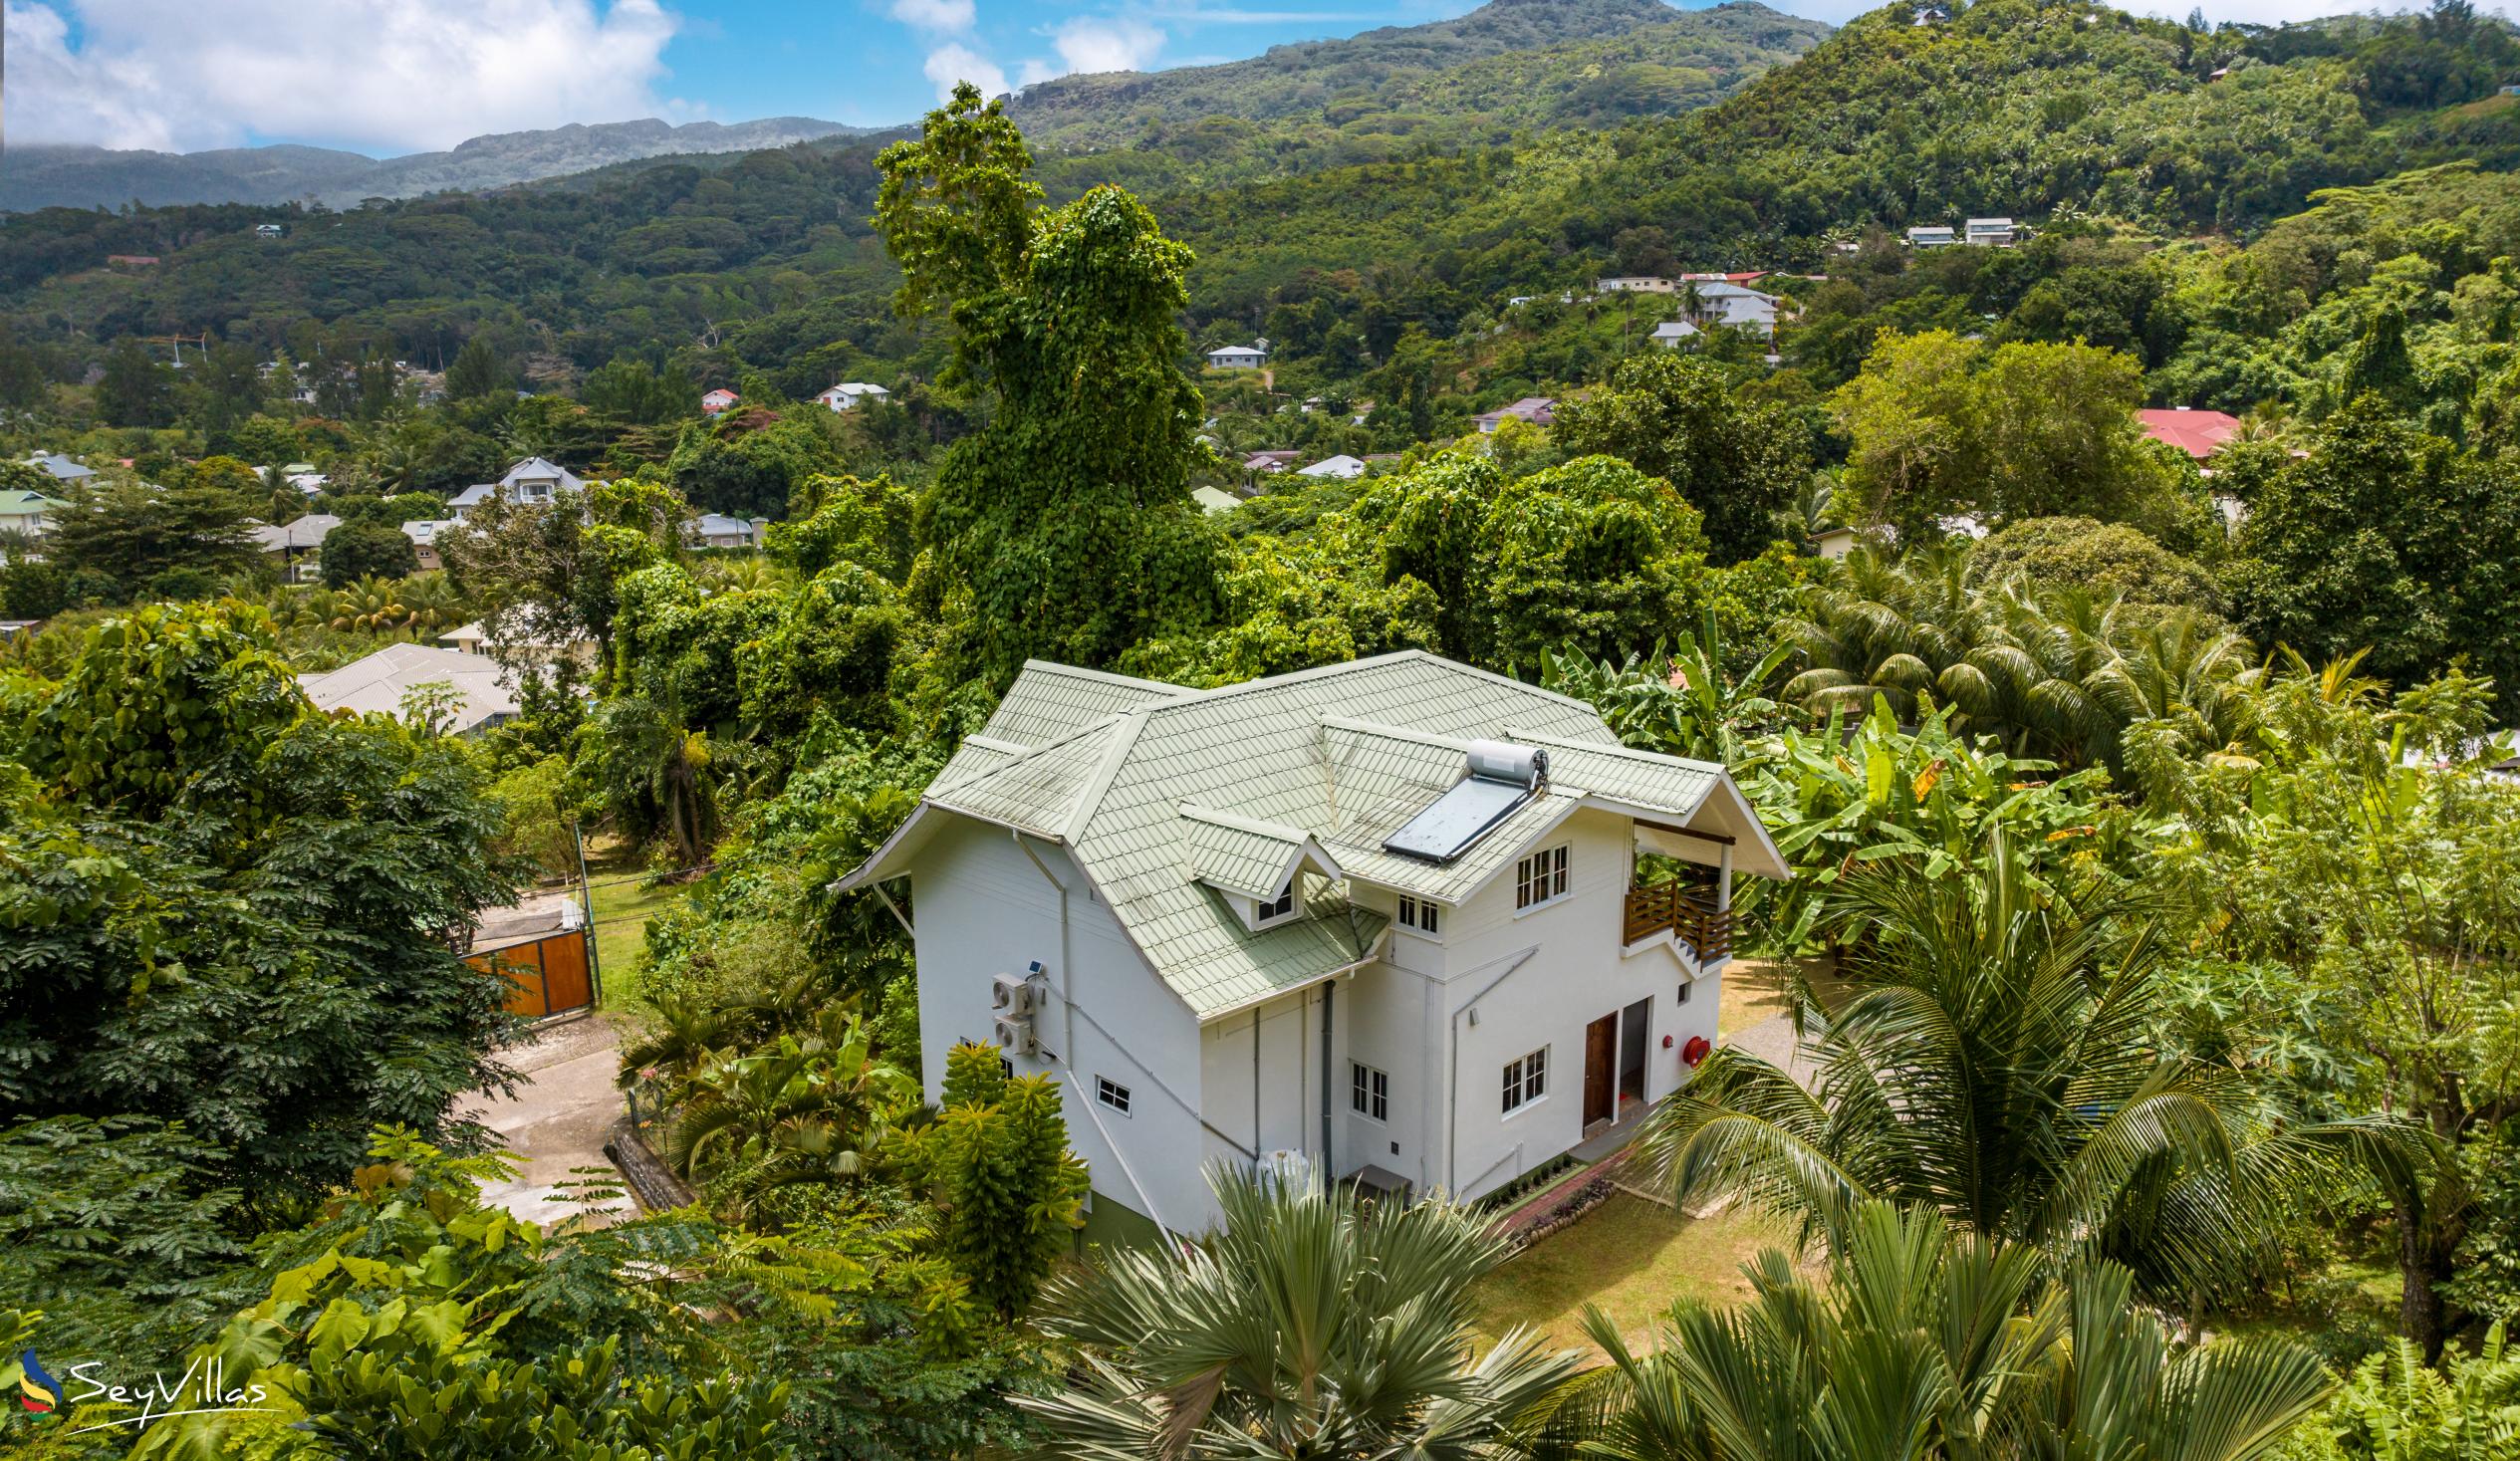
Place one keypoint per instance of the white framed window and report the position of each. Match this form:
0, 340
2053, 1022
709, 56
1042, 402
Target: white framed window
1418, 913
1112, 1094
1540, 876
1526, 1079
1368, 1092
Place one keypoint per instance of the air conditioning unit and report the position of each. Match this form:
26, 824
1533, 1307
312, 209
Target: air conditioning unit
1015, 1035
1013, 993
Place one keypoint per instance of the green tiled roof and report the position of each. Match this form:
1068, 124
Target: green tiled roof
1165, 795
1240, 854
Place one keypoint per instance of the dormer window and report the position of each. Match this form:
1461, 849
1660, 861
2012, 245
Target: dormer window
1281, 907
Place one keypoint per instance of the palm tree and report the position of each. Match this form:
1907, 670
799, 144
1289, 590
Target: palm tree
1999, 1063
370, 606
1925, 1345
1311, 1326
434, 604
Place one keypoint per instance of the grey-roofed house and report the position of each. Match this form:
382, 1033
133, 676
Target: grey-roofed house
297, 543
1378, 918
534, 481
62, 468
379, 683
717, 530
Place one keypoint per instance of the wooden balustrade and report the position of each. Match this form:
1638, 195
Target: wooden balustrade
1694, 920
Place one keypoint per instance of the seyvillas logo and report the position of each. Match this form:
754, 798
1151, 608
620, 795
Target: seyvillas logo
36, 1389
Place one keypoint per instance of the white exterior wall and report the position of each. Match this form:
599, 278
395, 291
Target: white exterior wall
982, 908
1573, 973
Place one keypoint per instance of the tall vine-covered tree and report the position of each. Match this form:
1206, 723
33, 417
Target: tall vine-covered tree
1065, 523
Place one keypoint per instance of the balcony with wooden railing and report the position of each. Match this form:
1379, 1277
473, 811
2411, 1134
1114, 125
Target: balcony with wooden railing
1673, 909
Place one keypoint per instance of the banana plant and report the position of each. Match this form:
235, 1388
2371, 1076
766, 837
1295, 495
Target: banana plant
1680, 702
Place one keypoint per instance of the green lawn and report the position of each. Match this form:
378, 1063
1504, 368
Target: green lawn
622, 902
1633, 1257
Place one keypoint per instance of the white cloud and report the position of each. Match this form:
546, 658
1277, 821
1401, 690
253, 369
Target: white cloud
1096, 43
949, 16
947, 64
1113, 42
383, 75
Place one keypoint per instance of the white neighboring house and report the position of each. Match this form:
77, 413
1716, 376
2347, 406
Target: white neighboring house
532, 482
1349, 916
60, 468
1239, 357
26, 512
1343, 467
1670, 332
717, 530
473, 642
847, 395
1931, 236
1636, 284
1990, 232
378, 683
1738, 306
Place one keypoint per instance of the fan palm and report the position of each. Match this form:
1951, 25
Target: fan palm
1999, 1065
1311, 1326
1926, 1344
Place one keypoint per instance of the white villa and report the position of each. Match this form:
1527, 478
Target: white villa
1239, 357
1380, 917
532, 482
845, 395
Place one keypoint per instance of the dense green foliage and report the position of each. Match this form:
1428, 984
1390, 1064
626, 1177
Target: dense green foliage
2179, 961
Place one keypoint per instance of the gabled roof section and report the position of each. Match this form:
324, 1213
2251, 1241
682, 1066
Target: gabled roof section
1173, 799
1638, 777
1242, 854
1037, 790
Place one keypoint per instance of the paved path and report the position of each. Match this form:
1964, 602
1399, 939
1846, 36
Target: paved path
564, 1105
1773, 1040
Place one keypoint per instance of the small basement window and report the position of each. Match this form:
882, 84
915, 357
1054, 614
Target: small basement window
1368, 1092
1112, 1094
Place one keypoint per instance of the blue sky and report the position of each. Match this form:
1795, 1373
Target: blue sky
385, 77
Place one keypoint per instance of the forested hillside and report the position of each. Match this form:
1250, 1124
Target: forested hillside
1508, 63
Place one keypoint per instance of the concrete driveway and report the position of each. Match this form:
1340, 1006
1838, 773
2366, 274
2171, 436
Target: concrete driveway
564, 1105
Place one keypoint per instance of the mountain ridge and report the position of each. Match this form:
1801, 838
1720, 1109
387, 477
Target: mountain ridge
77, 176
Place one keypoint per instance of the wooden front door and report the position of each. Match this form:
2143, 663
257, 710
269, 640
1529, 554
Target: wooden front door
1600, 1047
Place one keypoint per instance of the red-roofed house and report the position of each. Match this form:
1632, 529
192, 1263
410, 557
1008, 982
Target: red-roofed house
718, 400
2198, 433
